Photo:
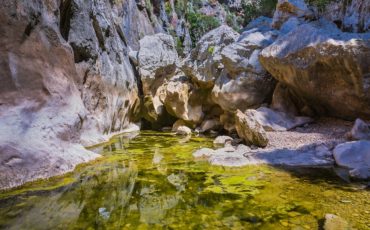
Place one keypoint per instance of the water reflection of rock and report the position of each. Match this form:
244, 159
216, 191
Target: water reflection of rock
154, 207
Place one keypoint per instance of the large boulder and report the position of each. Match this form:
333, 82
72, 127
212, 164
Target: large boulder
249, 129
181, 99
286, 9
354, 156
320, 64
157, 59
244, 83
203, 64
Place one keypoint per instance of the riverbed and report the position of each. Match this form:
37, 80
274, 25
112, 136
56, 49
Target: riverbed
150, 180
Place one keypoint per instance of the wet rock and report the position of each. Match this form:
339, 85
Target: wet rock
323, 57
249, 129
360, 131
222, 140
203, 64
180, 128
333, 222
354, 156
272, 120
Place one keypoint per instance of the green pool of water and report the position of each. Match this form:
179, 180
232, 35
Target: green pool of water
152, 182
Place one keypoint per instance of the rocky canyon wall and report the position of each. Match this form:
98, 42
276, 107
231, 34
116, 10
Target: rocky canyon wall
66, 81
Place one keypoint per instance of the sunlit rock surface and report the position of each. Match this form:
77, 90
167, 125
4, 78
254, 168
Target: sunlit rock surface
203, 63
315, 61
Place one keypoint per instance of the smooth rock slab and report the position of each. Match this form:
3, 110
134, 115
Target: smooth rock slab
309, 156
355, 156
278, 121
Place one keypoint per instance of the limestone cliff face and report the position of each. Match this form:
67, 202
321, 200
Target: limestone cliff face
65, 80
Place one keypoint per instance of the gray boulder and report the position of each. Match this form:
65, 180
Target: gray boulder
222, 140
360, 130
318, 156
244, 83
249, 129
181, 100
158, 61
180, 128
314, 61
354, 156
203, 64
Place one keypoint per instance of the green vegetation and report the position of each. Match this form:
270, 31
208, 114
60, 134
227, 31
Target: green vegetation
201, 24
321, 4
254, 9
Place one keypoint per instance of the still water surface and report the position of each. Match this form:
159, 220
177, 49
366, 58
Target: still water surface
151, 181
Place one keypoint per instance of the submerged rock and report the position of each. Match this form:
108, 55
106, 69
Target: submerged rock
250, 129
333, 222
